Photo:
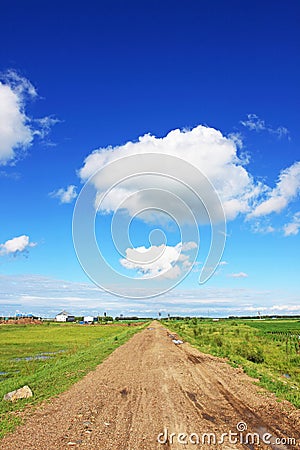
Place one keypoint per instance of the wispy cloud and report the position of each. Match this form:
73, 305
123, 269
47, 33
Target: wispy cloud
286, 190
254, 123
47, 296
66, 195
10, 175
292, 228
238, 275
263, 228
237, 138
20, 85
44, 127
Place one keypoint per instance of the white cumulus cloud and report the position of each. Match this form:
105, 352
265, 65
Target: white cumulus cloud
17, 129
162, 260
66, 195
286, 190
205, 148
16, 245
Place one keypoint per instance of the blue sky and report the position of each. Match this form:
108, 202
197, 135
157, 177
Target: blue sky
97, 75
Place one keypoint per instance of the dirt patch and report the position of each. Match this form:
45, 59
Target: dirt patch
22, 321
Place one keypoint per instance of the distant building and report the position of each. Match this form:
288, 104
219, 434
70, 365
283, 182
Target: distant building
64, 316
89, 319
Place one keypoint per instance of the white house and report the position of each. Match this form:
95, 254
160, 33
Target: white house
64, 316
88, 319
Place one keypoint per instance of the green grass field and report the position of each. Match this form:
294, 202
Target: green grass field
268, 350
50, 358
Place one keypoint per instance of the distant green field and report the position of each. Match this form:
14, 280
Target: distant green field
267, 349
50, 358
276, 325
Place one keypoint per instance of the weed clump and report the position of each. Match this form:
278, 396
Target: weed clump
251, 353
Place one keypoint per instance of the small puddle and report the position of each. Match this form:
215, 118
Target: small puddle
3, 376
33, 358
39, 357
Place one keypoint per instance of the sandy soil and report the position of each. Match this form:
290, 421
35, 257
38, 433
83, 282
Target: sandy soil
149, 385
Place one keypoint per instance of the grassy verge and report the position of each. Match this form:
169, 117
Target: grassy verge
50, 358
267, 350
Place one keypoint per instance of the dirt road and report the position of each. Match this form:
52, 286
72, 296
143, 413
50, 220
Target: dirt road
150, 385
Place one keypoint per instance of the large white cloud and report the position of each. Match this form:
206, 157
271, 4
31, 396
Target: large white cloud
17, 130
205, 148
16, 245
